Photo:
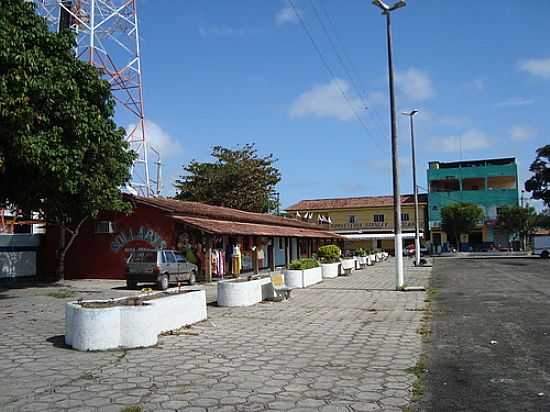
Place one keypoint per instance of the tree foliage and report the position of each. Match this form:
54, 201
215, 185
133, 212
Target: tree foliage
539, 183
460, 218
516, 220
61, 153
238, 178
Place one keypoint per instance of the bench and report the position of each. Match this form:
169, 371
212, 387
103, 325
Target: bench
282, 292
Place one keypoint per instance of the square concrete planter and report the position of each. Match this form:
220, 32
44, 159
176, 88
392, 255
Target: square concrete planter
371, 259
348, 265
244, 292
110, 324
303, 278
330, 270
362, 261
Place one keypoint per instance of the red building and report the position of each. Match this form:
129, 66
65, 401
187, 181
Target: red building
204, 232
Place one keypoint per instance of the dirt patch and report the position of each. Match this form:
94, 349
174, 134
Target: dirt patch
131, 301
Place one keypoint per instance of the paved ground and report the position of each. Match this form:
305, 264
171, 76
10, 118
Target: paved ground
343, 345
484, 300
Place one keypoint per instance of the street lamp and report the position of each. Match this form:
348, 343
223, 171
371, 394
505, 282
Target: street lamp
386, 10
415, 188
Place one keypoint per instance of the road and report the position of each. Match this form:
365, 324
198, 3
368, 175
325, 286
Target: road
490, 343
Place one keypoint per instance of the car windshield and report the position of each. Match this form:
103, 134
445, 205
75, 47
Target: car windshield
144, 257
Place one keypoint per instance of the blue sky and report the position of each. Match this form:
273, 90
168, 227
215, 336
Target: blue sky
231, 73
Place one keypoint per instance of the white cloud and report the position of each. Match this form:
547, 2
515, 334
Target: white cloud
515, 101
158, 139
286, 15
536, 67
468, 141
376, 98
415, 84
326, 100
521, 133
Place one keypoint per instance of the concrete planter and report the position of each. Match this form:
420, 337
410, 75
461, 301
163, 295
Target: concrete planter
242, 292
130, 326
372, 259
303, 278
362, 261
348, 265
357, 260
330, 270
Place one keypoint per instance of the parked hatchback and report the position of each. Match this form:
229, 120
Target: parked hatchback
159, 266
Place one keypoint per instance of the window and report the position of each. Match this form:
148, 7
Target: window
351, 219
143, 257
169, 257
434, 207
378, 218
499, 211
179, 258
404, 217
104, 226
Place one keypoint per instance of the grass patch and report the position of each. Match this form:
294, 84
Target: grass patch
431, 293
133, 408
61, 294
419, 370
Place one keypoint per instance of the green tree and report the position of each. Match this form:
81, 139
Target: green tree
460, 218
539, 183
61, 154
518, 221
238, 178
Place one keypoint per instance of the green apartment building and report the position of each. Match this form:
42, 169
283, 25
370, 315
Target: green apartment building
490, 184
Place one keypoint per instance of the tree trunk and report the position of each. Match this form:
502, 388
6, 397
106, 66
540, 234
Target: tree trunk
63, 248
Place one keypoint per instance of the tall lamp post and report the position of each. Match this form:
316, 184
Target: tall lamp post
415, 191
386, 10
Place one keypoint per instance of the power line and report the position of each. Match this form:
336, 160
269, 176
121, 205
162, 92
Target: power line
327, 66
354, 76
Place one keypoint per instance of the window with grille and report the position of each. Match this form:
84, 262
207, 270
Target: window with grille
378, 218
105, 226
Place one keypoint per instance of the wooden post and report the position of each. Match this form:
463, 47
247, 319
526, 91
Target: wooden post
287, 252
255, 263
272, 255
209, 261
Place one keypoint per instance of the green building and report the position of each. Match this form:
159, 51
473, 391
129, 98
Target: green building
490, 184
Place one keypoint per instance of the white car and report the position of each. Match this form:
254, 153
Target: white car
541, 246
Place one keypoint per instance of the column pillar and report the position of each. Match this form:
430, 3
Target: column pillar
208, 271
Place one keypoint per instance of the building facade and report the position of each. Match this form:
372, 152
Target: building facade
365, 222
490, 184
206, 234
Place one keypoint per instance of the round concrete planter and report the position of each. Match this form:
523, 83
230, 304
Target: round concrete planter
362, 261
357, 260
303, 278
330, 270
128, 326
242, 292
372, 259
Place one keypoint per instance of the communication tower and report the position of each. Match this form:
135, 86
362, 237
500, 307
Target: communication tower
108, 38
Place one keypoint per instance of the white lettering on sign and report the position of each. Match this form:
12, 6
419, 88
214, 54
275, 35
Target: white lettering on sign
143, 234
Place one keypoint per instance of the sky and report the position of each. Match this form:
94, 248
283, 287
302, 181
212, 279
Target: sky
235, 72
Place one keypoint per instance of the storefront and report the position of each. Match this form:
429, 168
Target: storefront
221, 241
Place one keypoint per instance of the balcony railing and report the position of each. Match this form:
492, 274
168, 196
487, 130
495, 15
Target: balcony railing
371, 226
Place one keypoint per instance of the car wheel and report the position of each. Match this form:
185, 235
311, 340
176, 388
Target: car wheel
163, 282
193, 278
545, 254
131, 284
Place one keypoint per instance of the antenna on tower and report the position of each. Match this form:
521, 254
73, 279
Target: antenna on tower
108, 38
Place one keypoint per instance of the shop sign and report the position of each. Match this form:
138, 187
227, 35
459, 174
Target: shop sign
143, 234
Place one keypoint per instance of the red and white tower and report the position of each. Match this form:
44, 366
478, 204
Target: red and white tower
108, 38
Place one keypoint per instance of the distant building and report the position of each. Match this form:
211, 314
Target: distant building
490, 184
365, 222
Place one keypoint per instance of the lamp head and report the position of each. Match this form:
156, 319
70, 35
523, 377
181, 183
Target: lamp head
381, 4
411, 113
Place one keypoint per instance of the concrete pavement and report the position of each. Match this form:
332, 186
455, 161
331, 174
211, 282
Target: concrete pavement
343, 345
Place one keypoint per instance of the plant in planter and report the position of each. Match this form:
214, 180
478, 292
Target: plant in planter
302, 273
371, 257
329, 256
362, 257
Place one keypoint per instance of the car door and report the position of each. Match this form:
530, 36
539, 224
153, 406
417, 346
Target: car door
171, 265
183, 266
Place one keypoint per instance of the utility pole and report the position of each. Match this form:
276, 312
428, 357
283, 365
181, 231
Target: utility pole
415, 191
400, 281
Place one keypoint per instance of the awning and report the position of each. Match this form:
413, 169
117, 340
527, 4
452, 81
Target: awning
223, 227
364, 236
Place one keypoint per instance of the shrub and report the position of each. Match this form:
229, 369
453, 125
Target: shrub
361, 252
329, 253
303, 264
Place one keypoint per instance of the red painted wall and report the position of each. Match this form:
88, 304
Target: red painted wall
103, 256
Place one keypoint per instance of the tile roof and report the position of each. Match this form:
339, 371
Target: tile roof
353, 202
179, 207
239, 228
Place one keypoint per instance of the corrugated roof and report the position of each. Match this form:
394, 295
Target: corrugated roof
238, 228
220, 213
353, 202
